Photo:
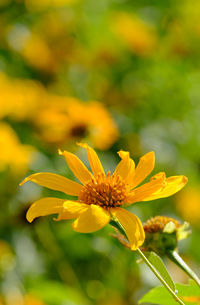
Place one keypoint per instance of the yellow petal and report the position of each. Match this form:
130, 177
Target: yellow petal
95, 163
173, 185
55, 182
132, 226
92, 219
71, 209
77, 167
43, 207
146, 190
123, 166
143, 169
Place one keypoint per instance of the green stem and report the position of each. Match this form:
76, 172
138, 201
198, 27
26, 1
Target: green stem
117, 225
157, 274
174, 256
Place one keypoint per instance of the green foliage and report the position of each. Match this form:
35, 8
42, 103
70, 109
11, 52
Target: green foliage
157, 262
189, 294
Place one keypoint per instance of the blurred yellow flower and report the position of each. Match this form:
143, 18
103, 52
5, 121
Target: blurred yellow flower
51, 37
188, 204
63, 119
100, 196
19, 299
6, 257
19, 99
139, 37
13, 154
30, 300
37, 45
44, 4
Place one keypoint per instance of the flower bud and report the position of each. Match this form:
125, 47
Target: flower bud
163, 233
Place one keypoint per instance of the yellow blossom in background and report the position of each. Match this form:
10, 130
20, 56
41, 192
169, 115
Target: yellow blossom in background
138, 36
6, 257
19, 299
101, 196
51, 37
58, 119
19, 99
13, 155
35, 45
188, 204
64, 119
30, 300
44, 4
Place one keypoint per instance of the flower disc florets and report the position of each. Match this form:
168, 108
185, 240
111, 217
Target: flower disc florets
105, 191
158, 223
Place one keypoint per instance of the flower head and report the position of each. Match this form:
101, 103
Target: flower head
187, 205
65, 119
163, 234
101, 196
10, 144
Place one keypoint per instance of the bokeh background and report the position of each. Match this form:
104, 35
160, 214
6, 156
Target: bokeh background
118, 74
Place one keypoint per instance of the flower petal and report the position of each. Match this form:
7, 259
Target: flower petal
132, 226
92, 219
95, 163
143, 169
71, 209
43, 207
77, 167
146, 190
123, 167
173, 185
55, 182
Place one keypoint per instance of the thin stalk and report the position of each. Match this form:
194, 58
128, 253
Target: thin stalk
117, 225
157, 274
175, 257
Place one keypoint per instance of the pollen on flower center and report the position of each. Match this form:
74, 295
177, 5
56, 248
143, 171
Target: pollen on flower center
105, 191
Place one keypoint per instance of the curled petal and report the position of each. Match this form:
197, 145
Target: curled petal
94, 161
91, 219
132, 226
55, 182
173, 185
77, 167
43, 207
123, 167
143, 169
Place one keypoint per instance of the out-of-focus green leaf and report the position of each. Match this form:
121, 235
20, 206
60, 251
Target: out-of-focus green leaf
54, 293
157, 262
189, 294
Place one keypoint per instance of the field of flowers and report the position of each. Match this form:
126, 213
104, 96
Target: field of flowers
107, 82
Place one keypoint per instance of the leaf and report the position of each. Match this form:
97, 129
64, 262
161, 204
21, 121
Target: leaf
189, 294
157, 262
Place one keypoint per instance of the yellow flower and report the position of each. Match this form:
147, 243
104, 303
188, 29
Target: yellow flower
11, 146
44, 4
140, 38
101, 196
188, 204
19, 98
63, 119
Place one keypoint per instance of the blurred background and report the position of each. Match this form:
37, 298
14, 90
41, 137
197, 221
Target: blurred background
117, 74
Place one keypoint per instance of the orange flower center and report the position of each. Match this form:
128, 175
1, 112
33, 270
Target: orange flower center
105, 191
157, 224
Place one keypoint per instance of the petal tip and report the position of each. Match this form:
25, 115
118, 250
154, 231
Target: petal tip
23, 181
83, 145
123, 154
185, 179
60, 152
29, 217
